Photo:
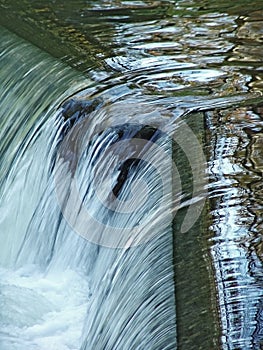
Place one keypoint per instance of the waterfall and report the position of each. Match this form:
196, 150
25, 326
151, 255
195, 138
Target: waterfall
64, 283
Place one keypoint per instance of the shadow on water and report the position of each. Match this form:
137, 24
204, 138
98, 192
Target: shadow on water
153, 61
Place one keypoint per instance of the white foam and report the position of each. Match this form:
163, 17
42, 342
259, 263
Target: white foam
42, 311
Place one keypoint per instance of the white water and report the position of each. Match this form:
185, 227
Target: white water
59, 291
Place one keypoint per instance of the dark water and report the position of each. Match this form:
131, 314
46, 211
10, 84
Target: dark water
154, 60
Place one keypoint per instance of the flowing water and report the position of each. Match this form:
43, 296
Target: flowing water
58, 290
131, 175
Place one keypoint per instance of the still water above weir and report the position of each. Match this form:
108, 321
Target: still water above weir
102, 73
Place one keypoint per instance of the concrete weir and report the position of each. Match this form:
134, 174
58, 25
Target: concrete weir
198, 325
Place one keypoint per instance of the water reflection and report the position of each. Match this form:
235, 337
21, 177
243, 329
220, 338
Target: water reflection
236, 169
116, 36
250, 35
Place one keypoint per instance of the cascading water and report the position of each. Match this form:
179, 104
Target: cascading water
106, 276
59, 290
33, 305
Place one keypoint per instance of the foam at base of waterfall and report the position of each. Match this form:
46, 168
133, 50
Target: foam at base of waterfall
42, 311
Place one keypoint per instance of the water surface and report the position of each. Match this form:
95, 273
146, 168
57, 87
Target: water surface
154, 60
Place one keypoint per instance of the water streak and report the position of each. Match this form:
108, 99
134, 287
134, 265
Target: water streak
54, 282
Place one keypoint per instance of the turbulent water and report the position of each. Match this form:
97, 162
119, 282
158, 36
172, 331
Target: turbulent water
34, 304
131, 175
58, 290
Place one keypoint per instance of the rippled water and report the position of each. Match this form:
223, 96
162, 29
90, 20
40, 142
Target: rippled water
236, 210
162, 58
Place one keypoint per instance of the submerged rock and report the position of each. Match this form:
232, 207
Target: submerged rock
134, 131
75, 111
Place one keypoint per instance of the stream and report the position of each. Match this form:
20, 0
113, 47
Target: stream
131, 175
